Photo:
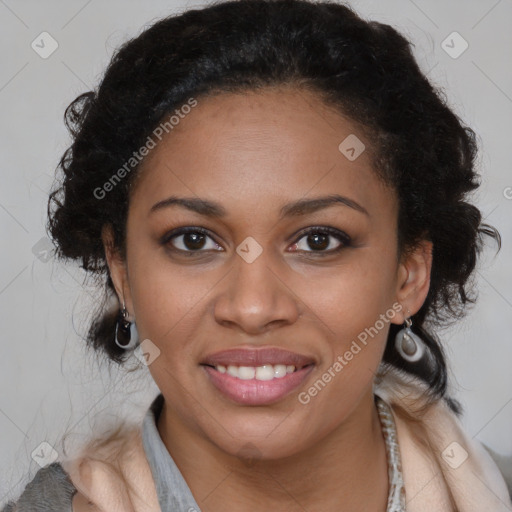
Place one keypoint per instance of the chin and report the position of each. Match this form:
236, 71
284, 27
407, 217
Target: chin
269, 438
250, 451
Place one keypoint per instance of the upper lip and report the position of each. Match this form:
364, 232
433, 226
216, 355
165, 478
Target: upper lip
257, 357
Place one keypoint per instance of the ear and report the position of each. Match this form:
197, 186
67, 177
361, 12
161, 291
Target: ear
413, 280
117, 268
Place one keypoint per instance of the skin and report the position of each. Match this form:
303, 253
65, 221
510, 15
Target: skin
253, 153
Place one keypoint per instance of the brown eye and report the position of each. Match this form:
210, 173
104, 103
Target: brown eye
190, 239
322, 239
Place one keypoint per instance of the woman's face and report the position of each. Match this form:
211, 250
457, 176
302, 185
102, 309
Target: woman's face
264, 288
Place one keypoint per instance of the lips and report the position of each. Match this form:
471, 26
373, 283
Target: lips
257, 376
257, 357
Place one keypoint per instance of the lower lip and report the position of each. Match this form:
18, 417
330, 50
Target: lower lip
257, 392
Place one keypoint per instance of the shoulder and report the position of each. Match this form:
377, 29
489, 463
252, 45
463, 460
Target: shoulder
504, 463
67, 486
439, 458
50, 490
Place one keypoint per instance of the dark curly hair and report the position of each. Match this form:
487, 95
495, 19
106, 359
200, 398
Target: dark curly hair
365, 69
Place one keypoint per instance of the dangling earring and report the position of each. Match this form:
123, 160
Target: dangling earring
410, 346
126, 336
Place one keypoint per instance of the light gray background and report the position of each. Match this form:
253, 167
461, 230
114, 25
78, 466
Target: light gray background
49, 383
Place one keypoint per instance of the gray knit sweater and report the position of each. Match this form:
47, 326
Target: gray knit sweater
50, 490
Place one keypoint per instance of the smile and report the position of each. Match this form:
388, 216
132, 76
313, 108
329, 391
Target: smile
256, 377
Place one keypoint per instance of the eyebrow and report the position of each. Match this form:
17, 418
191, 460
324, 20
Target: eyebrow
297, 208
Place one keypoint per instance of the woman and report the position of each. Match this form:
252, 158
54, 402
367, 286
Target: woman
277, 198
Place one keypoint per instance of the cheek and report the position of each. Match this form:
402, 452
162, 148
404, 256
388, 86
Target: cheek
167, 300
354, 306
358, 315
351, 296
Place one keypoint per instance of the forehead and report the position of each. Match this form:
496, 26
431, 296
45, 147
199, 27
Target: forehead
250, 150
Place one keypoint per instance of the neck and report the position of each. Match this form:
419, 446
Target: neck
348, 467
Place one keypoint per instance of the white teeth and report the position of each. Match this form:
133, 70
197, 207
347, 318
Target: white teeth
279, 370
246, 372
265, 372
233, 370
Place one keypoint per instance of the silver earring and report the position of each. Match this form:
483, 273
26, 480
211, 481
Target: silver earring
410, 346
126, 335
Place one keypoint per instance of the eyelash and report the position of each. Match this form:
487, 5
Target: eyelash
342, 237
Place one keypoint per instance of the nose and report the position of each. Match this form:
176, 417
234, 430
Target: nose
256, 298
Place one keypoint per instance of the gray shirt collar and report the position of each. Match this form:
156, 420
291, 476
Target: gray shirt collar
172, 490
